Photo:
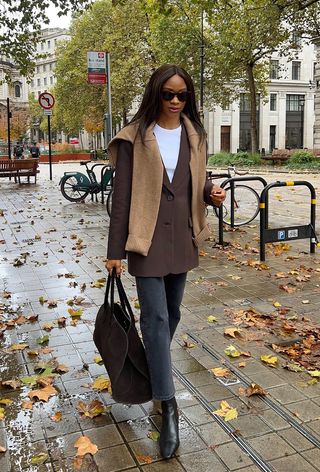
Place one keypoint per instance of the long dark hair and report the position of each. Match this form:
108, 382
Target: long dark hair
150, 107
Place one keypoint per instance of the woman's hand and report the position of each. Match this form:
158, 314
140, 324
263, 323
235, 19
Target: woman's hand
218, 195
114, 264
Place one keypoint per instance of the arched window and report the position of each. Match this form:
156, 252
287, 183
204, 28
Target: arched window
17, 90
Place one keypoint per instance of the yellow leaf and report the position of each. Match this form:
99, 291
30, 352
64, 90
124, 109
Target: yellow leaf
226, 411
18, 347
75, 313
314, 373
85, 446
2, 413
39, 458
98, 360
101, 383
231, 415
211, 319
154, 435
5, 401
98, 283
277, 304
269, 359
242, 364
95, 408
221, 372
231, 351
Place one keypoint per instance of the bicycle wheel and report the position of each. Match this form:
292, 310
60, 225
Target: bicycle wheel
71, 190
246, 205
109, 202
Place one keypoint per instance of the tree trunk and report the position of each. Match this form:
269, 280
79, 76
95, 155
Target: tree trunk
253, 108
124, 116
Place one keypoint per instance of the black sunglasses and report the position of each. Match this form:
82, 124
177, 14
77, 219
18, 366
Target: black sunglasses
168, 96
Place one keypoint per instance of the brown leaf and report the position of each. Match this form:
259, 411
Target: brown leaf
18, 347
288, 288
93, 409
221, 372
254, 389
43, 394
28, 405
85, 446
77, 462
232, 332
56, 417
62, 321
2, 449
145, 459
14, 383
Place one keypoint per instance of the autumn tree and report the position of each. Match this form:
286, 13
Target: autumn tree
20, 27
121, 29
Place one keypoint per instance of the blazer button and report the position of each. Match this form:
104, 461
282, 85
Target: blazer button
170, 198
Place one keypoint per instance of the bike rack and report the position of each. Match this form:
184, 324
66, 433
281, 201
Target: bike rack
232, 181
288, 233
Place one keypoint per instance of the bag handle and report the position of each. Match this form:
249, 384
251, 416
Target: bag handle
124, 299
110, 285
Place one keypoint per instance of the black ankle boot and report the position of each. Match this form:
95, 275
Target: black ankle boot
169, 436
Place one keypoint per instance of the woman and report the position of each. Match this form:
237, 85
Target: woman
158, 218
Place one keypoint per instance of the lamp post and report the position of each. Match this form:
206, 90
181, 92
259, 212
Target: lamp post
301, 107
9, 116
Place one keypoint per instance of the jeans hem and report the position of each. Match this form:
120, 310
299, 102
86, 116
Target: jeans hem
163, 398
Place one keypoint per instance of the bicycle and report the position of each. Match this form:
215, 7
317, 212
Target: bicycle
246, 201
76, 186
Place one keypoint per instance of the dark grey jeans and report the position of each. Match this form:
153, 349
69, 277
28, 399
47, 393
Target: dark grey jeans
160, 299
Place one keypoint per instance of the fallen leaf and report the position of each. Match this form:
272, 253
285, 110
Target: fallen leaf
2, 449
42, 300
98, 360
44, 393
242, 364
5, 401
288, 288
2, 413
269, 359
221, 372
93, 409
277, 304
231, 351
75, 313
43, 339
85, 446
144, 459
154, 435
232, 332
98, 283
47, 326
226, 411
28, 405
52, 303
77, 462
61, 321
305, 302
11, 383
39, 458
18, 347
211, 319
56, 417
101, 383
254, 389
314, 373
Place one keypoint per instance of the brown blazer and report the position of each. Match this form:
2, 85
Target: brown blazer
172, 249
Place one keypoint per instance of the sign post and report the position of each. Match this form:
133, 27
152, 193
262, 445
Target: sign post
46, 101
99, 74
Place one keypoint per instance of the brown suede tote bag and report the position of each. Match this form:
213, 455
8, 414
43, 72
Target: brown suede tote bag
121, 348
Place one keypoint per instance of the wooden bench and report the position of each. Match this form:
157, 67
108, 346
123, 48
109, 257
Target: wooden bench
279, 156
19, 168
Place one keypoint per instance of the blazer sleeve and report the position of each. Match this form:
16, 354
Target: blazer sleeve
119, 221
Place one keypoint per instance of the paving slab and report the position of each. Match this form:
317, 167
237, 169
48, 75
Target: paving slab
55, 249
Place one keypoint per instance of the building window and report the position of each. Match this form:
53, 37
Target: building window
38, 69
51, 80
38, 82
42, 45
295, 102
44, 67
274, 69
45, 81
245, 104
17, 91
273, 102
296, 70
51, 65
295, 39
49, 44
314, 70
32, 83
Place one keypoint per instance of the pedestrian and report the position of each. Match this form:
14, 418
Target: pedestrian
158, 219
18, 151
34, 151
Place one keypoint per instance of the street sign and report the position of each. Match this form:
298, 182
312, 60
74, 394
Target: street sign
97, 65
46, 100
47, 112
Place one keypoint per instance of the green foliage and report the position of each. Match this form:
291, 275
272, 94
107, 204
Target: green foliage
20, 27
242, 158
302, 157
303, 160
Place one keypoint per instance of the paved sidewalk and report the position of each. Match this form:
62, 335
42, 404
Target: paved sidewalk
52, 264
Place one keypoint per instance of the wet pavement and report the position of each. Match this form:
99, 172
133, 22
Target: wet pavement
52, 282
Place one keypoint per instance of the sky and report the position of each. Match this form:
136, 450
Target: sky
55, 20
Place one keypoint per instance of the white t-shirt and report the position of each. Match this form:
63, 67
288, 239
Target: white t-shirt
169, 144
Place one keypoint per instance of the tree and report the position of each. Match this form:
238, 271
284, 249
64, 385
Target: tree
20, 27
120, 29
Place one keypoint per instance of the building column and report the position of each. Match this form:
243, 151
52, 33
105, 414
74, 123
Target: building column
308, 121
316, 135
281, 131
